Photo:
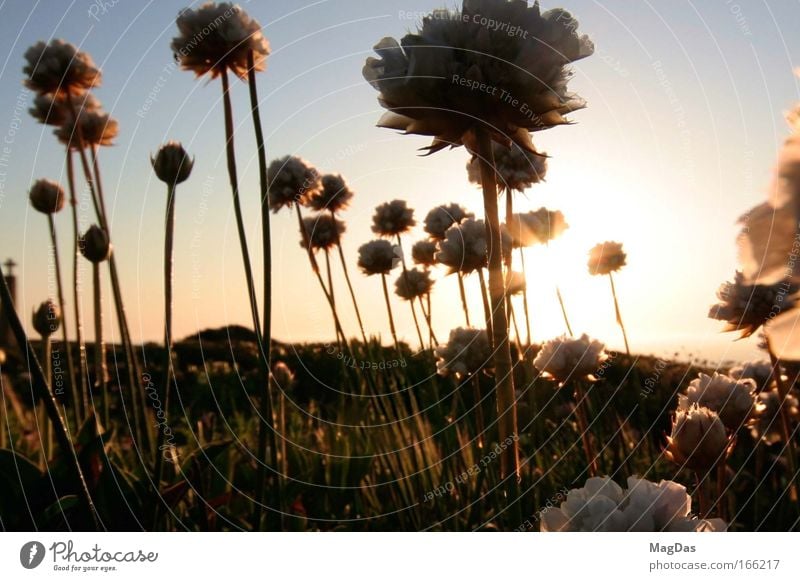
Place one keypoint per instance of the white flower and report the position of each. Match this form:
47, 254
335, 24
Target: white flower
392, 218
413, 283
441, 218
465, 353
731, 398
606, 257
431, 81
568, 358
378, 257
603, 506
59, 68
464, 248
517, 169
214, 37
291, 180
758, 371
698, 440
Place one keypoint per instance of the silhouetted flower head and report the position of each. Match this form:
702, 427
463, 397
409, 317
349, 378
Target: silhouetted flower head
731, 398
334, 195
758, 371
456, 73
413, 283
97, 128
218, 36
536, 227
464, 248
47, 196
465, 353
767, 425
58, 68
698, 440
606, 257
516, 169
393, 218
602, 505
291, 180
282, 375
323, 231
49, 110
95, 245
441, 218
565, 358
47, 318
424, 253
172, 164
378, 257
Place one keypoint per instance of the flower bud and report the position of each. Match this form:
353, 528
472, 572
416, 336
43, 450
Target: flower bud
47, 196
47, 318
172, 164
95, 245
698, 438
282, 375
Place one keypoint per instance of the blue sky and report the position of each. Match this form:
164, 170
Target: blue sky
683, 125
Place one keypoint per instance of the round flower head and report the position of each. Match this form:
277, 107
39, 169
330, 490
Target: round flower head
606, 257
698, 440
291, 180
517, 169
172, 164
95, 245
464, 248
323, 231
424, 253
51, 111
758, 371
602, 505
768, 417
378, 257
431, 81
334, 195
215, 37
393, 218
566, 358
731, 398
97, 128
413, 283
515, 283
58, 68
441, 218
536, 227
282, 375
47, 318
47, 196
465, 353
746, 308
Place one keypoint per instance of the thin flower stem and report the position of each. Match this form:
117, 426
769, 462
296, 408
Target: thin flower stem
413, 299
100, 370
46, 432
504, 378
352, 293
517, 336
619, 315
62, 306
487, 310
701, 495
427, 314
583, 427
389, 310
786, 426
41, 385
476, 390
329, 275
463, 294
525, 296
561, 302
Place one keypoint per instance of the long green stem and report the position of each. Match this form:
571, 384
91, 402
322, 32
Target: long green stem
100, 369
619, 315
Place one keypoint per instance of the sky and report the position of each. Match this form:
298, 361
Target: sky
684, 120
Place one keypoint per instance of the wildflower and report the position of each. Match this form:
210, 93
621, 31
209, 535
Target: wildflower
58, 68
95, 245
47, 196
47, 318
606, 257
566, 358
430, 82
768, 417
282, 375
536, 227
97, 128
377, 257
413, 283
731, 398
51, 111
392, 218
746, 308
758, 371
464, 248
334, 195
517, 169
216, 37
602, 505
323, 231
465, 353
172, 164
291, 180
423, 253
698, 440
441, 218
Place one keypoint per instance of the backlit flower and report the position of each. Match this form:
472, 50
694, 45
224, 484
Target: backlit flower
424, 253
602, 505
215, 37
47, 196
413, 283
59, 68
464, 248
456, 73
606, 257
291, 180
97, 127
47, 318
536, 227
768, 417
441, 218
516, 169
95, 245
565, 358
378, 257
172, 164
758, 371
334, 195
48, 110
323, 231
731, 398
698, 440
392, 218
465, 353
